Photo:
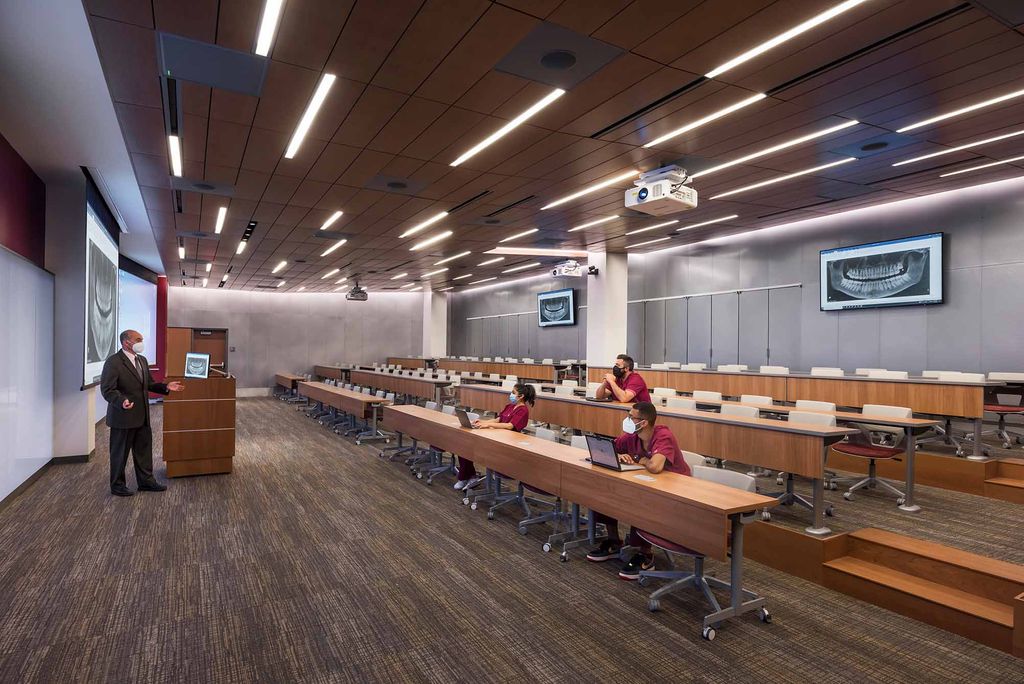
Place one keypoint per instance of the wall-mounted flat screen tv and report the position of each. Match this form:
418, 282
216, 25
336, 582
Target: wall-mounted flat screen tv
557, 307
891, 273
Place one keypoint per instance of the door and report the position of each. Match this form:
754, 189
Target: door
753, 342
698, 330
725, 311
213, 342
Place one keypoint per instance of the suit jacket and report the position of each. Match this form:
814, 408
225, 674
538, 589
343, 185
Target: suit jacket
120, 380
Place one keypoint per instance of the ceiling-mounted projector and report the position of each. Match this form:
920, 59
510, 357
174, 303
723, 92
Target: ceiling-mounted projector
357, 294
662, 191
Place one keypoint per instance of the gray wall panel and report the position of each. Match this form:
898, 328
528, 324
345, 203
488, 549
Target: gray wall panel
753, 328
675, 330
654, 332
784, 327
1001, 308
724, 328
698, 332
634, 331
858, 338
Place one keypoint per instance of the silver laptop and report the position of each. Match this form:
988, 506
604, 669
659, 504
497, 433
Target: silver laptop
464, 419
602, 453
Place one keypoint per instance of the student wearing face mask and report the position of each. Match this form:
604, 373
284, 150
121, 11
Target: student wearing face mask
125, 384
515, 416
654, 447
623, 384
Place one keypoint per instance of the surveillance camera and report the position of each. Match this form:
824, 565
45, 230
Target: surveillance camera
593, 270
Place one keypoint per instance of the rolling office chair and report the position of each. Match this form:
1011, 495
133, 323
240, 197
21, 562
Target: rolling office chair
556, 515
680, 403
788, 496
862, 446
994, 405
827, 372
706, 395
662, 394
756, 400
697, 579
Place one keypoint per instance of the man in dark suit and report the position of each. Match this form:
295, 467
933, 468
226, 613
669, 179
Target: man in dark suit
125, 385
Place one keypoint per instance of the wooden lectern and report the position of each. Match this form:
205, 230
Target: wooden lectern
199, 427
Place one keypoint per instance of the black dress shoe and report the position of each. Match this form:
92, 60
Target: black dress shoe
121, 491
153, 486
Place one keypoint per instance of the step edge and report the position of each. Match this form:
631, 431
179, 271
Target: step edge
1006, 481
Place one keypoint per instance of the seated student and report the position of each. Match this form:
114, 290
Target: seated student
622, 384
515, 416
654, 447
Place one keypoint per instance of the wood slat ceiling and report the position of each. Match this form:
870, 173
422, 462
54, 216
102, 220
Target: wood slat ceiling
416, 87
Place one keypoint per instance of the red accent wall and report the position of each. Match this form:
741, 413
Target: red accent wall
161, 328
22, 206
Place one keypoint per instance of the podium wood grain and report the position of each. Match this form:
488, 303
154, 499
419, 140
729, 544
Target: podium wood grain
199, 427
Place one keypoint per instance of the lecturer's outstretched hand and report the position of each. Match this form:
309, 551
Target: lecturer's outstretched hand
176, 386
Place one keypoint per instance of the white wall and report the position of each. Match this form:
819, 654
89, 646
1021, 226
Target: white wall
26, 370
291, 332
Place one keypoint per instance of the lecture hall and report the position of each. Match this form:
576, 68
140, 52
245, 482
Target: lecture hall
511, 341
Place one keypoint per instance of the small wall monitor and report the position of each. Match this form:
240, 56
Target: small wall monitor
891, 273
557, 307
197, 365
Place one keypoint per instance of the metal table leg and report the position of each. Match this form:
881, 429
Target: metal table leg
372, 433
908, 503
818, 487
979, 449
737, 594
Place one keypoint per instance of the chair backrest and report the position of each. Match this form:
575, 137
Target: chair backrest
432, 405
450, 410
494, 376
380, 393
498, 359
526, 360
693, 460
367, 390
472, 416
866, 371
592, 388
957, 376
886, 411
681, 403
827, 372
778, 370
659, 366
563, 390
487, 358
694, 366
706, 395
811, 405
823, 419
570, 383
664, 391
511, 360
740, 411
931, 373
889, 375
732, 367
390, 396
1001, 376
724, 476
508, 384
757, 399
673, 364
578, 441
547, 434
548, 361
513, 378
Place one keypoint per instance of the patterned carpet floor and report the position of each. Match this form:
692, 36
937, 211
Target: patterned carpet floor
316, 561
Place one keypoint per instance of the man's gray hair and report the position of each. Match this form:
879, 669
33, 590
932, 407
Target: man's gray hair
125, 336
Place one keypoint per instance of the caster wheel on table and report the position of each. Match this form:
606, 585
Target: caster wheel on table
546, 548
643, 581
766, 516
419, 476
764, 616
654, 605
490, 515
564, 557
522, 530
830, 511
387, 441
778, 481
833, 486
465, 502
430, 480
473, 506
709, 633
1006, 445
900, 501
848, 496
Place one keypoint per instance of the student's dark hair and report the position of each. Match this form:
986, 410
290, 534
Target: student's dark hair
527, 392
628, 359
647, 411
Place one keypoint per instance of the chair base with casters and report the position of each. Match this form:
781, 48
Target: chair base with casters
788, 497
1007, 436
432, 464
494, 494
872, 453
945, 434
575, 537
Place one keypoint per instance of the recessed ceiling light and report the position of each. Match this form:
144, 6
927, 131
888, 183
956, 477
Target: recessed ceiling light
302, 288
983, 166
510, 126
519, 235
707, 119
491, 261
775, 148
539, 251
399, 276
331, 219
280, 283
521, 267
963, 110
784, 36
967, 146
333, 247
649, 242
333, 271
431, 240
592, 188
181, 251
224, 279
205, 280
338, 289
452, 258
590, 224
209, 266
339, 282
485, 280
268, 24
420, 226
730, 217
174, 144
468, 275
241, 247
654, 227
402, 287
433, 273
445, 289
326, 81
279, 266
779, 179
222, 214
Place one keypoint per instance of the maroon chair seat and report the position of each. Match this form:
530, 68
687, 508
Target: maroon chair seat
867, 450
1004, 408
663, 543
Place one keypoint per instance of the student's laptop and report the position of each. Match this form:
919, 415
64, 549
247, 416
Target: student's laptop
602, 453
464, 419
596, 399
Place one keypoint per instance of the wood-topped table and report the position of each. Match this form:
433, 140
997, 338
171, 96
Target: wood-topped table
524, 371
800, 449
354, 403
423, 387
288, 380
411, 361
333, 372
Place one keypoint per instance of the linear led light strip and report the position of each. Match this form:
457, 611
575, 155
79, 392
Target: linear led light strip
644, 244
780, 179
333, 247
434, 273
485, 280
399, 276
279, 266
522, 267
510, 126
420, 226
593, 188
707, 119
174, 145
963, 110
468, 275
322, 88
785, 36
775, 148
491, 261
983, 166
431, 240
331, 219
333, 271
591, 224
452, 258
519, 235
708, 223
655, 226
268, 24
222, 214
976, 143
340, 281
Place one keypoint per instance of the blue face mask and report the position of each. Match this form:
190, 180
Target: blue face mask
513, 398
628, 426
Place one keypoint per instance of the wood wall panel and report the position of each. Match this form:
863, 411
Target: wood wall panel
179, 343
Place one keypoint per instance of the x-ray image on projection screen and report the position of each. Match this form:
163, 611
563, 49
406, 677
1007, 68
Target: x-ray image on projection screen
890, 273
100, 298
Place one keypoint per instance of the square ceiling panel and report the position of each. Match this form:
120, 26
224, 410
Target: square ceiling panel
205, 187
556, 56
402, 186
212, 65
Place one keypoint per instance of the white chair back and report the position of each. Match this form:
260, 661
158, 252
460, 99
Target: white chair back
659, 366
508, 384
570, 383
732, 367
673, 364
664, 391
724, 476
1001, 376
827, 372
547, 361
513, 378
889, 375
525, 360
811, 405
957, 376
740, 411
592, 388
563, 390
866, 371
547, 434
822, 419
432, 405
886, 411
694, 366
758, 399
449, 410
578, 441
706, 395
680, 403
693, 460
777, 370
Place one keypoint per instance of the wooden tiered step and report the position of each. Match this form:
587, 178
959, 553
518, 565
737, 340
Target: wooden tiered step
962, 592
1008, 483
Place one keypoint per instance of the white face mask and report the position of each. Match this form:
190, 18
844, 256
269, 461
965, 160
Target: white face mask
628, 426
138, 348
512, 398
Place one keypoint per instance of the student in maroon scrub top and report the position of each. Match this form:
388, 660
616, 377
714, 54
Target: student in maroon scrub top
622, 384
655, 448
515, 416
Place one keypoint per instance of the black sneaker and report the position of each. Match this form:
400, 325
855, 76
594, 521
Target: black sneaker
631, 570
608, 550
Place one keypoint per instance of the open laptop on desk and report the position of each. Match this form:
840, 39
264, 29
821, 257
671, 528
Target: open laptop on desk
606, 399
602, 453
464, 419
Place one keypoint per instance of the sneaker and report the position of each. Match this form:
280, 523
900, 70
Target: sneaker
631, 570
473, 482
608, 550
461, 484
